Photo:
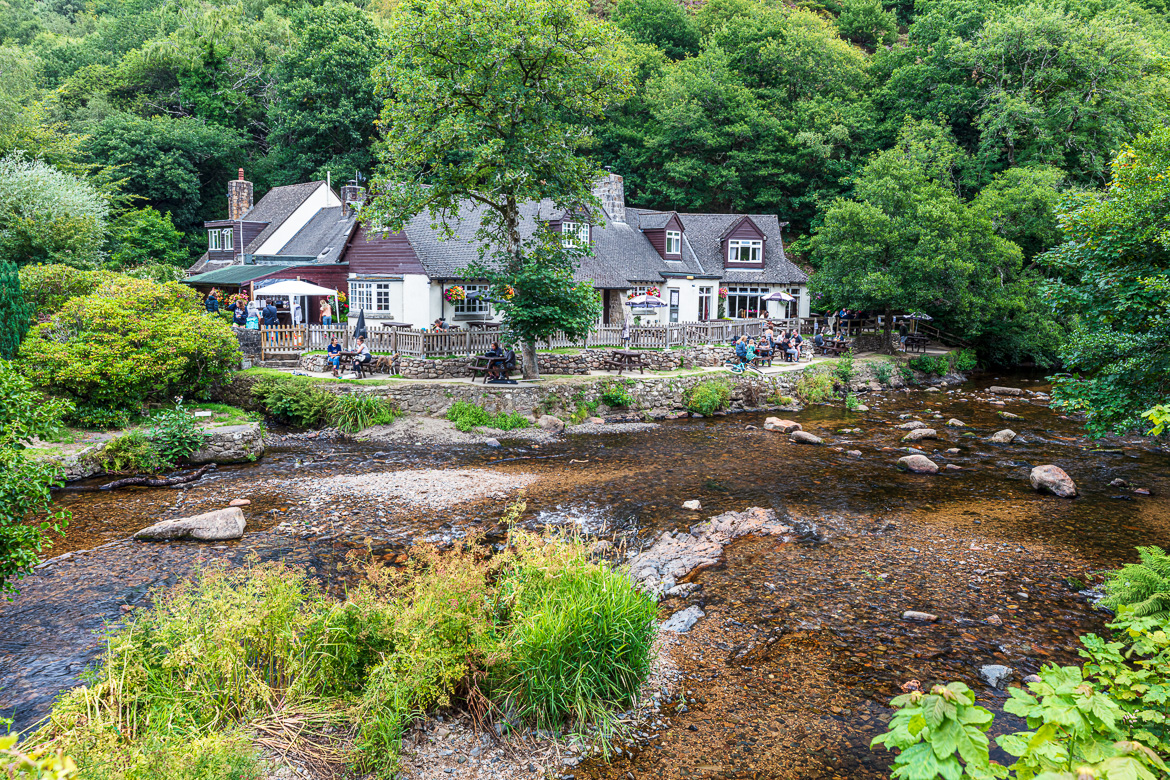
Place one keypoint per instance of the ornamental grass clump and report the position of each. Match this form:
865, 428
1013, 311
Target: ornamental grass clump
355, 412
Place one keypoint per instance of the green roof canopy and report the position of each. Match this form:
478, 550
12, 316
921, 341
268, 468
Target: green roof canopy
233, 274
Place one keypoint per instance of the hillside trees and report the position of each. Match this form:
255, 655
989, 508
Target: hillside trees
47, 215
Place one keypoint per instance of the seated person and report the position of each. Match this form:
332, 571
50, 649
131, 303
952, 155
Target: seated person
362, 355
493, 366
819, 340
741, 348
333, 355
749, 353
766, 347
439, 324
784, 345
507, 363
793, 350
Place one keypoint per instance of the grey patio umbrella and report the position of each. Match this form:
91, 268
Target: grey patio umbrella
359, 330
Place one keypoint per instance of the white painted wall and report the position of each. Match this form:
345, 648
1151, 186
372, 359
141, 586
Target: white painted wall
321, 198
416, 300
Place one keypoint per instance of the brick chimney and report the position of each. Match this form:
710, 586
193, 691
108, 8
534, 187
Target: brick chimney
611, 191
352, 198
239, 197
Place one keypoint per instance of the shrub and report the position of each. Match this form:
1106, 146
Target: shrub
48, 215
25, 482
130, 342
844, 369
49, 287
617, 395
467, 417
928, 364
355, 412
1143, 588
963, 360
708, 397
15, 312
814, 386
884, 371
176, 434
98, 418
852, 402
131, 453
296, 400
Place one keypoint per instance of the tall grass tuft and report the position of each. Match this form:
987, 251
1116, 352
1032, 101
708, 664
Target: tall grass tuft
468, 416
355, 412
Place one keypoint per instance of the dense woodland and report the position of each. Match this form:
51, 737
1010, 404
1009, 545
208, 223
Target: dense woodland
924, 153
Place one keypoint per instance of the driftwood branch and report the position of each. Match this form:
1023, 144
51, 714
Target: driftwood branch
178, 478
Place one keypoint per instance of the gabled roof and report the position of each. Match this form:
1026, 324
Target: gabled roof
323, 236
731, 228
705, 232
275, 207
654, 220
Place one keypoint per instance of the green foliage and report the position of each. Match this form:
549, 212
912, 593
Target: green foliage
355, 412
324, 112
131, 453
48, 287
884, 371
963, 360
1110, 284
661, 23
37, 765
15, 313
617, 394
145, 237
814, 386
1142, 588
176, 434
467, 417
843, 369
295, 400
541, 72
948, 716
47, 216
867, 22
708, 397
129, 342
1021, 204
935, 365
98, 418
25, 482
1159, 418
852, 402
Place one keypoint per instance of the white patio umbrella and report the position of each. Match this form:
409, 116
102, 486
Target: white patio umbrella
645, 302
779, 296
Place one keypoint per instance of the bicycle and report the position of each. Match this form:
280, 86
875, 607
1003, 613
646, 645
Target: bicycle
739, 367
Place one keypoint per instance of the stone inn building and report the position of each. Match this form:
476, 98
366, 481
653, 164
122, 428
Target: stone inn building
309, 232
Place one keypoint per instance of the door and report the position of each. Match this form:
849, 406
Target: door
605, 306
674, 294
704, 304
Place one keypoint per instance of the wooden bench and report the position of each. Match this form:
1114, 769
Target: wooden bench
834, 348
916, 343
481, 364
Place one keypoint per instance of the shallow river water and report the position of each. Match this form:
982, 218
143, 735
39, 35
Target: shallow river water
790, 673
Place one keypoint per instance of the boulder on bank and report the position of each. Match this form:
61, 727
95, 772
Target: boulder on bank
208, 527
918, 434
550, 423
230, 444
919, 464
683, 620
1006, 436
1005, 390
1054, 480
783, 426
804, 437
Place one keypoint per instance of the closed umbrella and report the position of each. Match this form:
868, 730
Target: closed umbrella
359, 330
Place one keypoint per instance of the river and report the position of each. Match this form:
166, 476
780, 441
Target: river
790, 673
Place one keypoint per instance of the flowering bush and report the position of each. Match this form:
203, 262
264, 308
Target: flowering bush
129, 342
455, 294
342, 306
651, 291
240, 298
508, 293
722, 292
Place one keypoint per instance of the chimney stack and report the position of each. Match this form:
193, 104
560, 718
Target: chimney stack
611, 191
352, 198
239, 197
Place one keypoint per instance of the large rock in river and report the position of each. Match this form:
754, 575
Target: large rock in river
913, 425
919, 464
209, 527
1006, 436
1005, 390
804, 437
783, 426
551, 423
1054, 480
918, 434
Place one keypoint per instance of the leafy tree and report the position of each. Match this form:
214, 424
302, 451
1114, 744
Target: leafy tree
180, 166
1112, 284
661, 23
907, 243
867, 22
48, 216
325, 110
15, 313
145, 237
487, 105
1021, 204
25, 482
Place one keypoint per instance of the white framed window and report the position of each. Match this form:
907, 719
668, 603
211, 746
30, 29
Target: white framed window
369, 296
793, 307
225, 241
704, 304
575, 234
740, 250
673, 242
746, 302
212, 240
476, 305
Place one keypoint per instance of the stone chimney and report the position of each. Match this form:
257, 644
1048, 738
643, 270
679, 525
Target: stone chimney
239, 197
352, 198
611, 191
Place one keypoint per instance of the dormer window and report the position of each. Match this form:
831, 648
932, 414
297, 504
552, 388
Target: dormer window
673, 242
745, 251
575, 234
225, 241
212, 240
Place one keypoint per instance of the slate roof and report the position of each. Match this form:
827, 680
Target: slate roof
323, 236
704, 231
275, 207
653, 220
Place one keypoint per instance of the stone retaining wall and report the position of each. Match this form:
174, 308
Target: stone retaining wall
567, 364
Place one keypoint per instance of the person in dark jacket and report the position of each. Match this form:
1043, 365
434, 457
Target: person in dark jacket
212, 302
270, 318
239, 313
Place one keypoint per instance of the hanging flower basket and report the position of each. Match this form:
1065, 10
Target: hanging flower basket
455, 294
722, 292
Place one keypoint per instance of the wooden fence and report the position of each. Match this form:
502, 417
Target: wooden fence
296, 339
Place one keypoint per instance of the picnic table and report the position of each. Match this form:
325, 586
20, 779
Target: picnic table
480, 324
484, 363
916, 343
623, 359
834, 348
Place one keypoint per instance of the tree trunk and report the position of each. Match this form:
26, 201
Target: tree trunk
888, 325
531, 369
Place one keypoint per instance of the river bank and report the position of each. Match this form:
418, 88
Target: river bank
802, 644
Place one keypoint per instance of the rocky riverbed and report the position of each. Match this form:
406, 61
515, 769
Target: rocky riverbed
801, 642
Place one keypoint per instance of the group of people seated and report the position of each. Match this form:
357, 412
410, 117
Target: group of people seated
829, 336
361, 355
769, 345
500, 363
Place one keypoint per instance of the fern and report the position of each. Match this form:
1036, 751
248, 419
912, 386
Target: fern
1143, 587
